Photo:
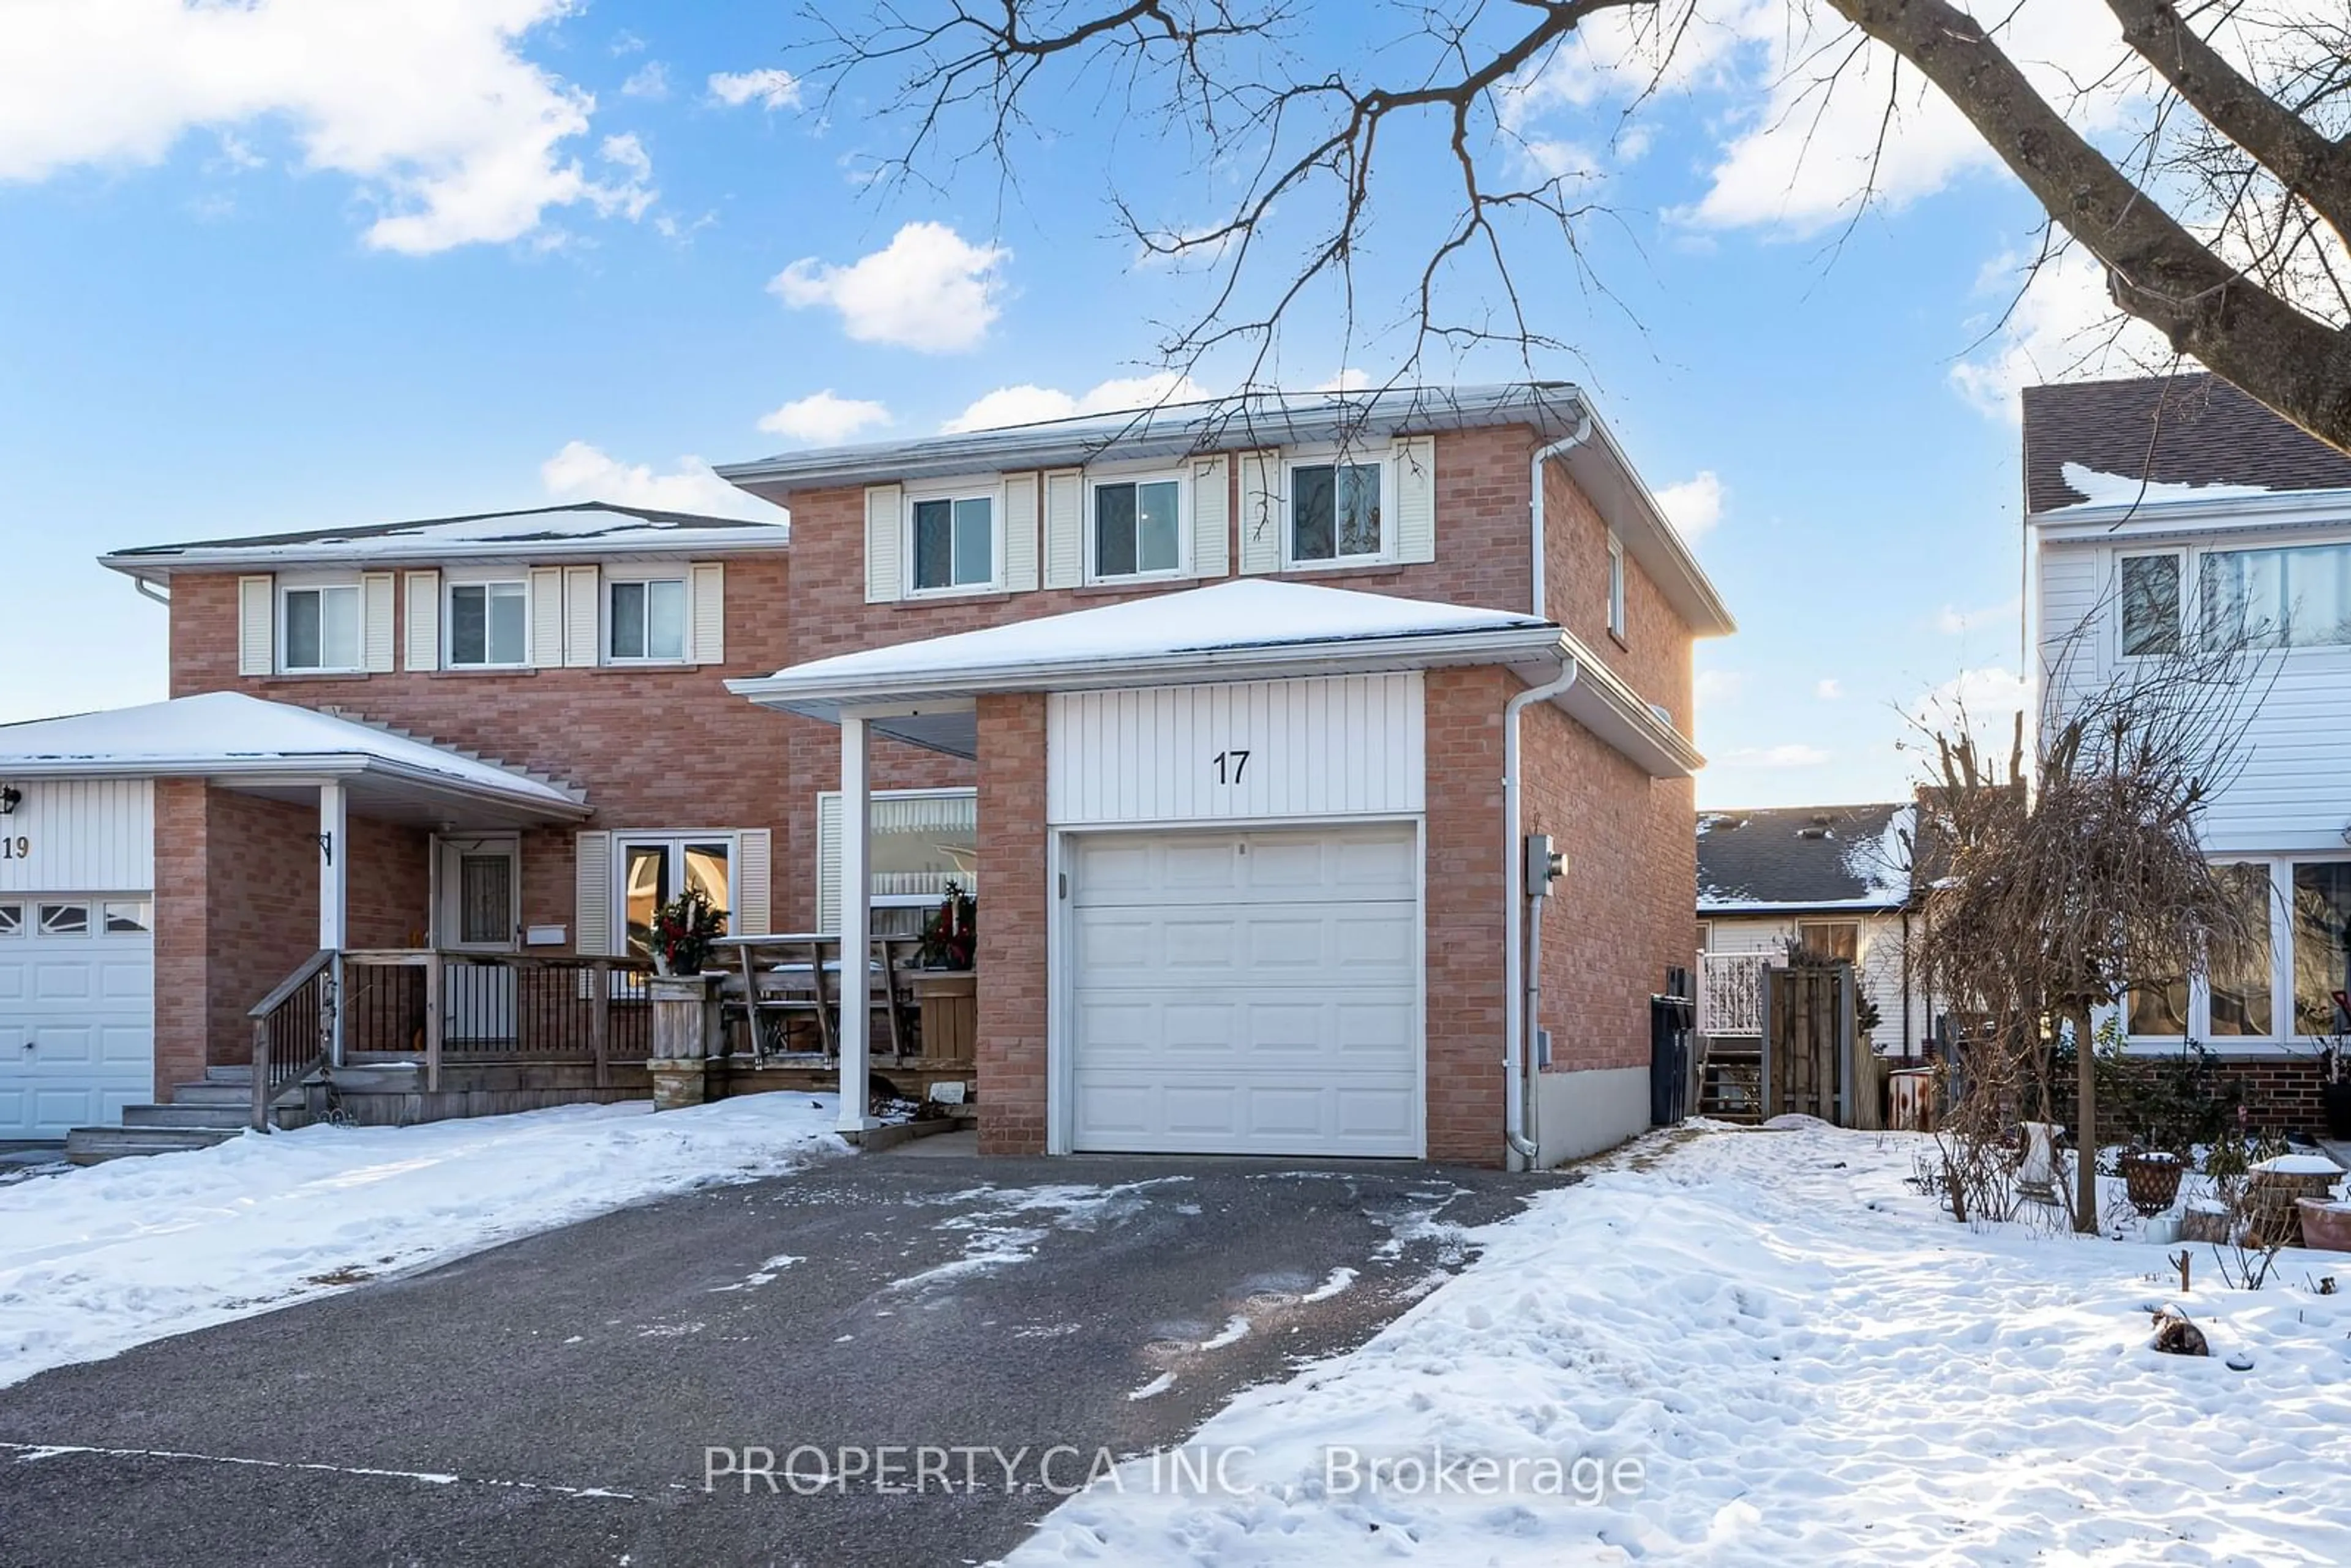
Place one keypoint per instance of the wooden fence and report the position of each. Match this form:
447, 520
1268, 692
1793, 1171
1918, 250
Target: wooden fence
1809, 1047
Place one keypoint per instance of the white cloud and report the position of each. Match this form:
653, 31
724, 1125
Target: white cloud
650, 81
584, 473
1349, 379
452, 135
1830, 689
2062, 328
1787, 755
1953, 622
1695, 504
770, 89
1718, 686
929, 288
822, 418
1028, 404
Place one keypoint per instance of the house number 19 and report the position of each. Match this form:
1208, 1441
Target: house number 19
1229, 765
21, 847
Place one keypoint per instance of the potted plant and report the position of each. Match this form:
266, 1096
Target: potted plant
682, 930
950, 932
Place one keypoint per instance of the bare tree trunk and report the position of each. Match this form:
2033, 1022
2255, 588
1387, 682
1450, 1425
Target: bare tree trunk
2085, 1128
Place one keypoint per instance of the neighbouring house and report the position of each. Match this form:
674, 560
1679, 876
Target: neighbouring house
2173, 513
1250, 725
1835, 878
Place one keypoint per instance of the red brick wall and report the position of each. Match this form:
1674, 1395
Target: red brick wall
1655, 657
1012, 959
654, 748
1464, 881
182, 931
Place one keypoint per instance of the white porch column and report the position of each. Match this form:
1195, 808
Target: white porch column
856, 925
334, 866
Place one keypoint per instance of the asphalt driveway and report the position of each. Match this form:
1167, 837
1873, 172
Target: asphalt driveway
596, 1394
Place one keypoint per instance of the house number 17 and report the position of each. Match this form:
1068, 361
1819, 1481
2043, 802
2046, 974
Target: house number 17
1229, 765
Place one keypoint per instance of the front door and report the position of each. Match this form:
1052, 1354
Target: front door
481, 912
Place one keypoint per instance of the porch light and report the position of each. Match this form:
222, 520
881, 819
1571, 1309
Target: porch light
9, 795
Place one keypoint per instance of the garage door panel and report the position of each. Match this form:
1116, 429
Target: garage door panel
82, 1000
1248, 993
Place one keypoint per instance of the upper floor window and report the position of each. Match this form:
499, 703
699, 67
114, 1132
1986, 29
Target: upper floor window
2293, 598
2151, 590
487, 624
1337, 512
646, 619
1138, 527
1616, 588
323, 628
954, 543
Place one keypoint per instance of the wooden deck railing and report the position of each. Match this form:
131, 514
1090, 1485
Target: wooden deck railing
293, 1031
472, 1008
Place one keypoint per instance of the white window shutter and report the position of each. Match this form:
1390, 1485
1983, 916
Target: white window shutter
1415, 457
544, 604
708, 592
257, 625
1211, 517
828, 861
1020, 533
886, 525
753, 857
1260, 511
1065, 528
424, 618
375, 621
591, 914
583, 616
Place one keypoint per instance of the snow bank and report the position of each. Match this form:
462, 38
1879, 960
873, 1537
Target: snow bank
94, 1261
1811, 1366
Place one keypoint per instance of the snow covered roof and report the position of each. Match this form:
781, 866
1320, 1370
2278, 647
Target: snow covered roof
1805, 857
1553, 410
599, 529
2187, 438
229, 735
1246, 629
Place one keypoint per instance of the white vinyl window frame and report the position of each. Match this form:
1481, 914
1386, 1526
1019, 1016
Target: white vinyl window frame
674, 843
2283, 1036
1325, 456
647, 580
955, 493
1115, 475
491, 586
2185, 622
345, 589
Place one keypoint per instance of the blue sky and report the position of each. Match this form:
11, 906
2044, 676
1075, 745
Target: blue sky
525, 252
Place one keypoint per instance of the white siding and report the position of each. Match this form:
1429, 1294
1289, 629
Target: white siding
1880, 966
2293, 734
1318, 746
80, 835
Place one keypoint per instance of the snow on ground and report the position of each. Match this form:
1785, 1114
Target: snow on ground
95, 1260
1810, 1363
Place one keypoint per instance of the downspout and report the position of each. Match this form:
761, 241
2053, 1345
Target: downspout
1516, 1023
149, 591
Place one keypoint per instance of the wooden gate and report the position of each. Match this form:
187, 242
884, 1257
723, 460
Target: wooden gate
1808, 1033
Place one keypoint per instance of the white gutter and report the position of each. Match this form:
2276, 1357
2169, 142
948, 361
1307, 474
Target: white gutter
1514, 926
1560, 448
1515, 1023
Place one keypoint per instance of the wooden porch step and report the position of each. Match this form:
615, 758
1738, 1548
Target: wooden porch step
209, 1092
94, 1146
237, 1073
209, 1118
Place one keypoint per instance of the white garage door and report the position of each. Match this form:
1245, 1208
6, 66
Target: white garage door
1248, 993
77, 1010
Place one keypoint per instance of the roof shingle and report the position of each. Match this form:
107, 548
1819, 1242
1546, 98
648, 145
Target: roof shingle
2169, 430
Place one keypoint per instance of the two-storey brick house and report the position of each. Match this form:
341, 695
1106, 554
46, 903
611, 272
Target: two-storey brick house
1256, 708
2173, 514
1237, 720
